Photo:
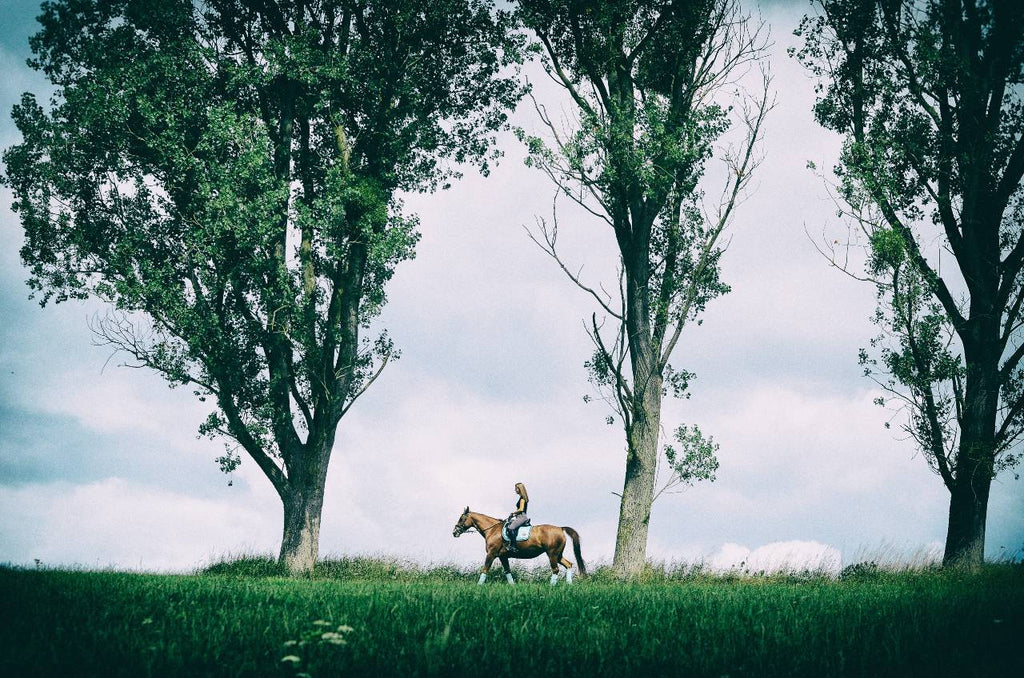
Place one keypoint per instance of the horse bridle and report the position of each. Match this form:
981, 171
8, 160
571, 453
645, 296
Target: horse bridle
474, 527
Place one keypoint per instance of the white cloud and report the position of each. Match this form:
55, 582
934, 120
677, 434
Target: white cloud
729, 557
120, 400
783, 556
118, 523
796, 464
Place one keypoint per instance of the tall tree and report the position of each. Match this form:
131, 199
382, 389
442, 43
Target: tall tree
648, 80
225, 173
930, 97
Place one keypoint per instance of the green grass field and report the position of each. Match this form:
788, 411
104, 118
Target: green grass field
242, 620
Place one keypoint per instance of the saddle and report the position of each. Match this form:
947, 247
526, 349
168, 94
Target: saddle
522, 532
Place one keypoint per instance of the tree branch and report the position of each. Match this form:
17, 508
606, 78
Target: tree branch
741, 176
548, 246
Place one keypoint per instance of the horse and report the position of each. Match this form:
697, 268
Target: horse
548, 539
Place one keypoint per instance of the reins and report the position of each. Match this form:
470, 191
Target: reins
484, 531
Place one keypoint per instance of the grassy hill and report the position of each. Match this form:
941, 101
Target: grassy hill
361, 617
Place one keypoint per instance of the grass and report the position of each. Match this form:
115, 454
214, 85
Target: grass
241, 619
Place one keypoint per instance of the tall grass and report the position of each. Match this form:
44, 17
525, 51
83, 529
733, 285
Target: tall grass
242, 619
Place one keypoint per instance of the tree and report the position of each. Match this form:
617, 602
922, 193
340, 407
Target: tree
225, 174
648, 82
928, 94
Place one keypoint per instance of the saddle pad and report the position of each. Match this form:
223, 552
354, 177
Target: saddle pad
521, 535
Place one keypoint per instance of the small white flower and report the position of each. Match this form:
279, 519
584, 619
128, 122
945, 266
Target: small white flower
333, 638
345, 628
290, 659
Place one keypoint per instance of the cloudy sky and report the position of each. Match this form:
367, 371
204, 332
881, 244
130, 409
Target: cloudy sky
100, 464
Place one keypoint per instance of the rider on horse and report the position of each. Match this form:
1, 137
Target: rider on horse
543, 539
518, 517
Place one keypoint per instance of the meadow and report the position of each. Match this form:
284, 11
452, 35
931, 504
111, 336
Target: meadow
361, 617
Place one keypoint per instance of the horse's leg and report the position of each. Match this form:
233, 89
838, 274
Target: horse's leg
508, 569
567, 564
487, 566
554, 556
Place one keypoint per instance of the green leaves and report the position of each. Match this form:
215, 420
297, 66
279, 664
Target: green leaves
646, 80
928, 95
888, 251
693, 458
225, 174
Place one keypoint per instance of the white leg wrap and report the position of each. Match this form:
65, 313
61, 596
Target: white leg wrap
568, 576
483, 578
509, 579
554, 579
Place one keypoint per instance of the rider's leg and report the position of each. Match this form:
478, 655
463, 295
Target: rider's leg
514, 525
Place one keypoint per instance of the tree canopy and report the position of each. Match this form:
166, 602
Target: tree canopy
647, 81
930, 97
226, 174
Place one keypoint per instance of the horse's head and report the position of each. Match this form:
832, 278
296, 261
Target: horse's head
462, 524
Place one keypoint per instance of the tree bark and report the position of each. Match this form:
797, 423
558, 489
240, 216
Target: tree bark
303, 500
638, 488
975, 460
300, 541
965, 534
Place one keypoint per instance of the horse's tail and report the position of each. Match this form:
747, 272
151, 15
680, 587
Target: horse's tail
576, 549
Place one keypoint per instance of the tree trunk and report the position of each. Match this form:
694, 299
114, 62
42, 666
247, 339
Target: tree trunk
638, 488
965, 535
303, 499
969, 492
300, 543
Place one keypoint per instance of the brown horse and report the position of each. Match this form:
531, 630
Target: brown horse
547, 539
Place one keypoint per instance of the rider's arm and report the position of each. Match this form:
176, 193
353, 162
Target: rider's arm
521, 505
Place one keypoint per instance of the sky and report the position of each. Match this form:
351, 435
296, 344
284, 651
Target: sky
101, 466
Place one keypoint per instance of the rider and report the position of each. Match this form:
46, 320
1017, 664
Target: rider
518, 517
